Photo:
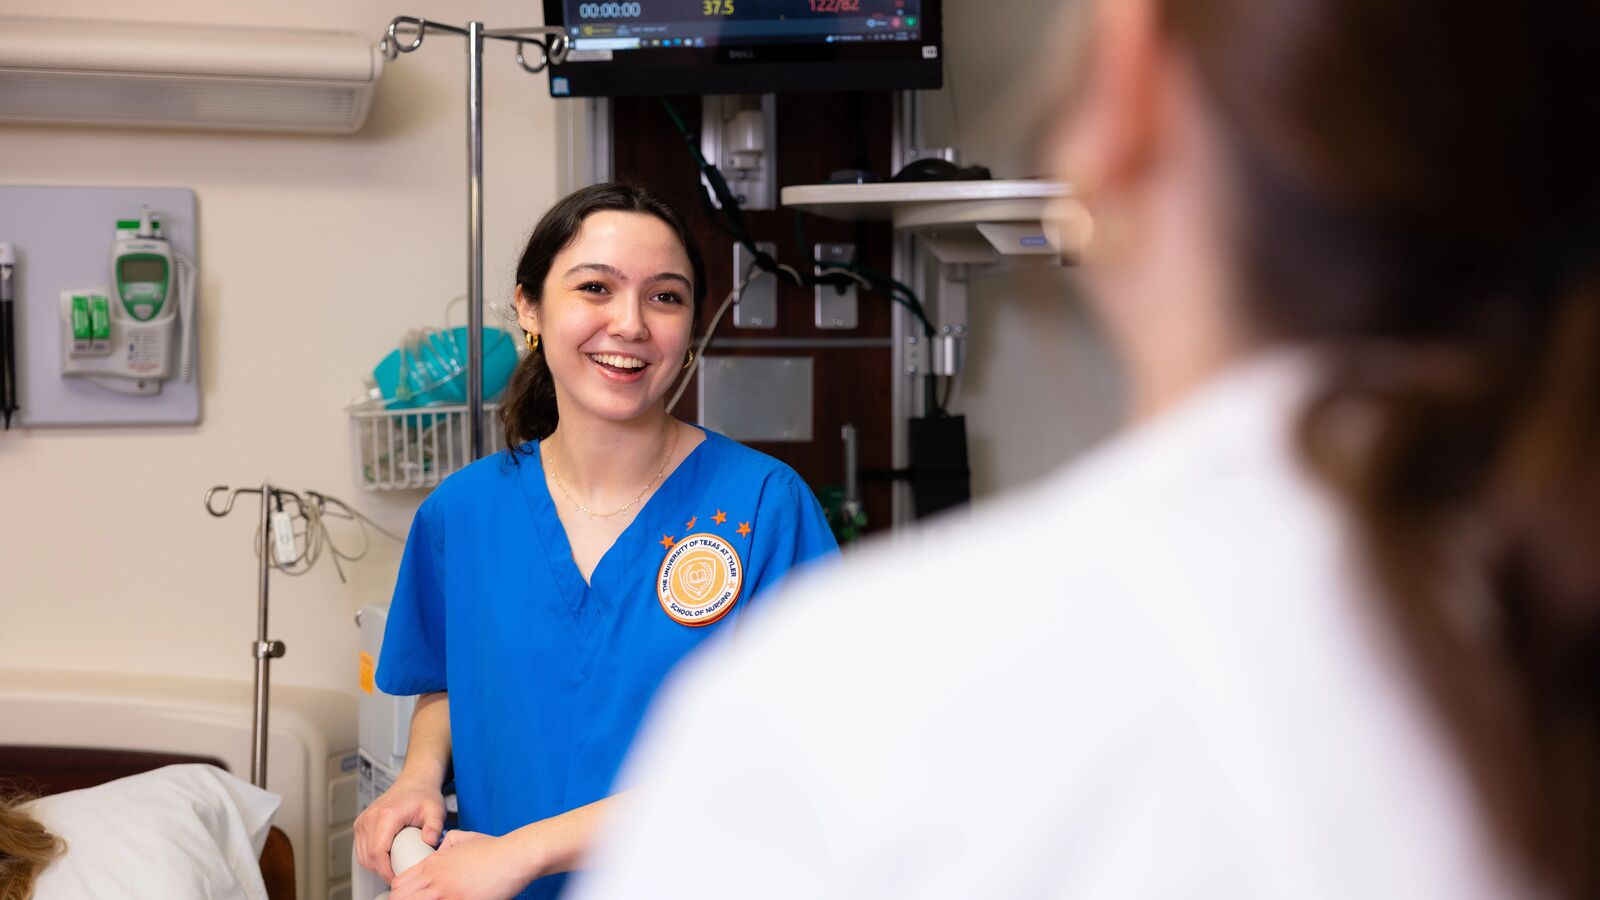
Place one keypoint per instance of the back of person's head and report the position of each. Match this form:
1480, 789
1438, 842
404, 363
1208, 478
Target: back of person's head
1417, 192
25, 849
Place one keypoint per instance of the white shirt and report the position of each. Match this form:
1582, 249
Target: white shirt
1161, 672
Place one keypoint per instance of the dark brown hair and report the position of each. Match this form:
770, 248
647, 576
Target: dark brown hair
528, 410
1418, 195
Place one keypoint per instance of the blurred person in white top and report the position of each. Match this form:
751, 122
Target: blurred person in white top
1322, 621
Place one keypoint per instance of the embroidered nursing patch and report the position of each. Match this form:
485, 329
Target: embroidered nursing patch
700, 580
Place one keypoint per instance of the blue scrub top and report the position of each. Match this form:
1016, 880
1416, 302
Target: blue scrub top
548, 676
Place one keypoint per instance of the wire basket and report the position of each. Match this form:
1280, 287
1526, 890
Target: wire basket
405, 449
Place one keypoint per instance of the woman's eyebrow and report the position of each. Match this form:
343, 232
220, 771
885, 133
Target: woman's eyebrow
672, 276
618, 274
602, 268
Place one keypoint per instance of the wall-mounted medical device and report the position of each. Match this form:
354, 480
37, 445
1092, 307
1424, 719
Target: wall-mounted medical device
106, 305
656, 47
136, 332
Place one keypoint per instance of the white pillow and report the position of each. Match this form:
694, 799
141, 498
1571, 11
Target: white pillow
172, 833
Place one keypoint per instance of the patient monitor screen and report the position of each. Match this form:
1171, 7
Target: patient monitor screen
745, 46
639, 24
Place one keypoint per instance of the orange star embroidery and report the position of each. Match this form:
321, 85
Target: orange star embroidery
743, 529
666, 541
690, 524
720, 517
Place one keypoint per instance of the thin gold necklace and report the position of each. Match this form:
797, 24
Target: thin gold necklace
554, 471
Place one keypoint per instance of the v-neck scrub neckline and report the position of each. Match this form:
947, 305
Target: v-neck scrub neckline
557, 543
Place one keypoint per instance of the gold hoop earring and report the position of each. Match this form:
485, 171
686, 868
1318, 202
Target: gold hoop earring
689, 361
532, 340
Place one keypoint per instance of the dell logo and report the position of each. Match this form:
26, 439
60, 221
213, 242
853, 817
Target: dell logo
741, 54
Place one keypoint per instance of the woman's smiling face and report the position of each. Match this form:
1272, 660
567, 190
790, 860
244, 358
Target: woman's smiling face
614, 322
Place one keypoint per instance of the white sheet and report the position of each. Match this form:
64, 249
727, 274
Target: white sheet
189, 831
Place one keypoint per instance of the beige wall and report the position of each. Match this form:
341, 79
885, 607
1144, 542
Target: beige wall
1040, 385
316, 253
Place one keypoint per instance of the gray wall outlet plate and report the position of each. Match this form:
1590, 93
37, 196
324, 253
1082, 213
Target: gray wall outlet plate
836, 308
757, 307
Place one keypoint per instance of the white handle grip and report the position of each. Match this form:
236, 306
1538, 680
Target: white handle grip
407, 850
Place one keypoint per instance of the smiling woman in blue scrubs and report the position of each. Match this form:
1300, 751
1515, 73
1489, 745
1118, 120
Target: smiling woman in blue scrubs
547, 590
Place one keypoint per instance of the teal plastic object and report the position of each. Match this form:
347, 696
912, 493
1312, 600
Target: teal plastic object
433, 372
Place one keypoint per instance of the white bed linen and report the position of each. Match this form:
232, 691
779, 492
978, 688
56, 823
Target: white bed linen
187, 831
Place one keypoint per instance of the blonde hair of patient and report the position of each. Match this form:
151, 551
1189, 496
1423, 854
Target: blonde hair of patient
25, 849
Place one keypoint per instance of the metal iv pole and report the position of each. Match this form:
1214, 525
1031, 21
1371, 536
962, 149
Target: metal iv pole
262, 648
553, 45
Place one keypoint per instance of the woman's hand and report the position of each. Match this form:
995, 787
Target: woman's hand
410, 801
473, 865
468, 866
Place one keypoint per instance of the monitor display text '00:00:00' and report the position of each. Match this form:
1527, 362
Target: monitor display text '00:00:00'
609, 10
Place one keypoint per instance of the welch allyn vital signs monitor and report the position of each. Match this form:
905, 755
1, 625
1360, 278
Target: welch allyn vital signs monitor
123, 337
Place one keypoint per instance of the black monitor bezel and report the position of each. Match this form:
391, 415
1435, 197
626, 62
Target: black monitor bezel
758, 68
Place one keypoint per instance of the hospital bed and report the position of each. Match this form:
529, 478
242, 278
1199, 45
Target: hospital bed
51, 771
99, 726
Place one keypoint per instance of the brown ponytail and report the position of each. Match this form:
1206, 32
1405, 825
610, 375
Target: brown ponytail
1477, 490
1418, 199
528, 410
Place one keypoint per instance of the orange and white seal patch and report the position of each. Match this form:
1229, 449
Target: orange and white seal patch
700, 580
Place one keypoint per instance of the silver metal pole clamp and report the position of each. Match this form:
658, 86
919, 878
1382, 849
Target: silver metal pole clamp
268, 649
